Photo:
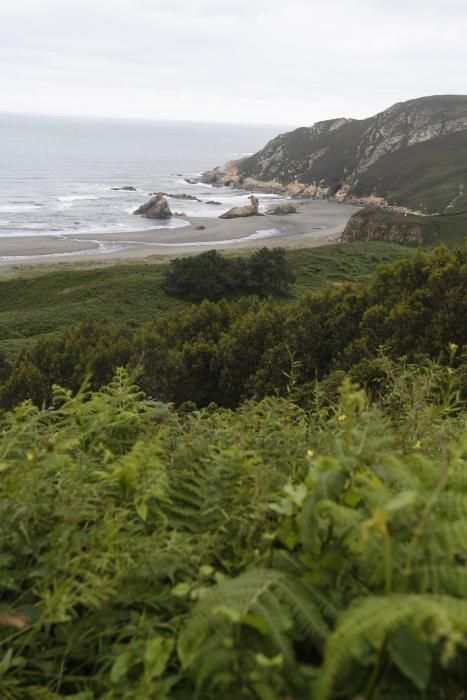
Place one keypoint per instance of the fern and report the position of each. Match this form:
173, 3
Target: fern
262, 602
364, 629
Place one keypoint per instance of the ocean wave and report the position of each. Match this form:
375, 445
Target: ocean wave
258, 235
101, 248
29, 233
118, 227
77, 197
11, 208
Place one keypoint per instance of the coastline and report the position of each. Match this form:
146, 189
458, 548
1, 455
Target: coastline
316, 223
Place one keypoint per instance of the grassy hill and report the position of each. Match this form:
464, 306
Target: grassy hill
37, 303
424, 177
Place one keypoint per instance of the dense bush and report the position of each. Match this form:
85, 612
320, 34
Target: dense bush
213, 276
227, 351
265, 553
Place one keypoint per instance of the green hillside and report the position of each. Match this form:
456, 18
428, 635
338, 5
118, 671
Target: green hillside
425, 176
37, 303
412, 154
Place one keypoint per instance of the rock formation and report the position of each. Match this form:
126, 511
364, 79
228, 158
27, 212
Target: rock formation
126, 188
392, 227
156, 208
283, 209
179, 196
411, 155
409, 229
238, 212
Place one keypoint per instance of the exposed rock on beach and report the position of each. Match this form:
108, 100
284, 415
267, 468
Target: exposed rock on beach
239, 212
155, 208
184, 196
283, 209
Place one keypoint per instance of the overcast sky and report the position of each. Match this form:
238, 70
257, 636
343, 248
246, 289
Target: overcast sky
268, 61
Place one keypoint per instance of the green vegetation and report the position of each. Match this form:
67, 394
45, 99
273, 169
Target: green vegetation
260, 554
409, 229
301, 535
331, 265
211, 275
36, 304
226, 352
424, 175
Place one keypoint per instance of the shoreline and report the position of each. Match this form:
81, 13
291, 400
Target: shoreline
316, 223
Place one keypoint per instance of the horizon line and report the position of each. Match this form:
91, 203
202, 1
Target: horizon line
21, 113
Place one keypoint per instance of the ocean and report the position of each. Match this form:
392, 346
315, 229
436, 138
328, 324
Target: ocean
56, 173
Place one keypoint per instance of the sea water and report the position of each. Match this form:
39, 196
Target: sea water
57, 173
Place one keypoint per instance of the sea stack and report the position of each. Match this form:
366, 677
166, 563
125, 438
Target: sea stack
248, 210
155, 208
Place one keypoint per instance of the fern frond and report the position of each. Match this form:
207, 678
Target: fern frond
278, 602
369, 623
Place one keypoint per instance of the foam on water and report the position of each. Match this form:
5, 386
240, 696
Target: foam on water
57, 174
258, 235
77, 197
101, 248
13, 208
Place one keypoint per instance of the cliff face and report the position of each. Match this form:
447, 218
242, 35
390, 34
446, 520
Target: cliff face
366, 226
409, 229
412, 155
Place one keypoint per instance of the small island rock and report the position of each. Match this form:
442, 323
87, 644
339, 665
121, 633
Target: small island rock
283, 209
248, 210
156, 208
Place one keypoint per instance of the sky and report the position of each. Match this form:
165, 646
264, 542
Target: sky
252, 61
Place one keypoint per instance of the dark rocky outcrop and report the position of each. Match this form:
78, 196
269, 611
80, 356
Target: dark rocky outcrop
156, 208
212, 201
200, 228
189, 197
239, 212
366, 226
126, 188
408, 229
283, 209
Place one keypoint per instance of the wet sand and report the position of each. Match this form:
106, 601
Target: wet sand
315, 223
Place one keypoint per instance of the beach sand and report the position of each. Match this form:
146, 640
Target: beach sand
316, 223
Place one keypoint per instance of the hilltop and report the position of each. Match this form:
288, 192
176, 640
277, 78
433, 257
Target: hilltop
411, 155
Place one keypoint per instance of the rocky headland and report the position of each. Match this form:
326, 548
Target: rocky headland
408, 229
408, 158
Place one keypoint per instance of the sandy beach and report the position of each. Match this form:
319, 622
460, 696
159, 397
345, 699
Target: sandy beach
317, 222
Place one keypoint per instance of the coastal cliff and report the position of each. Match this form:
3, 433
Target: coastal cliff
408, 229
411, 156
